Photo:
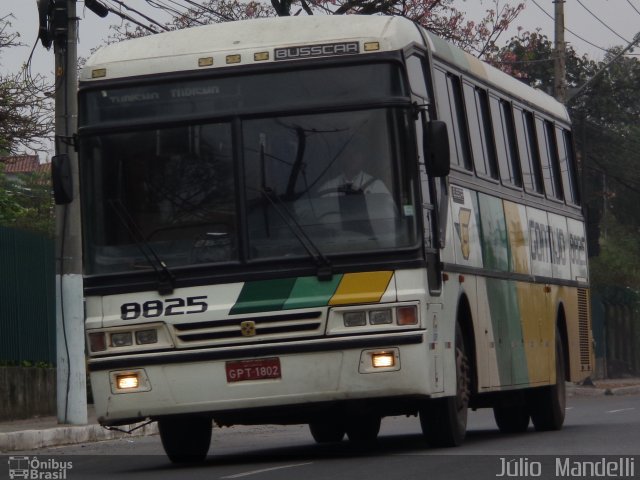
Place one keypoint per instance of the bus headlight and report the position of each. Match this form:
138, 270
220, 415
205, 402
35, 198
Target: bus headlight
383, 359
378, 361
380, 317
121, 339
130, 338
145, 337
129, 381
355, 319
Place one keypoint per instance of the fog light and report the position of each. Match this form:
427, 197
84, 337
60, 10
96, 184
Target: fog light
97, 342
407, 315
380, 317
127, 381
354, 319
144, 337
121, 339
383, 359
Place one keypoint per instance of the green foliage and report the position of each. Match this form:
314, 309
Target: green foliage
26, 203
619, 259
25, 364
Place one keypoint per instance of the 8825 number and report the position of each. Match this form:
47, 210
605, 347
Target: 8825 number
158, 308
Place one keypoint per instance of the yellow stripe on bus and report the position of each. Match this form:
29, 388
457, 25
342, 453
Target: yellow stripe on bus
363, 287
538, 342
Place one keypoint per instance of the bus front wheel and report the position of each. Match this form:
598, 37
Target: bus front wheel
444, 420
363, 429
185, 439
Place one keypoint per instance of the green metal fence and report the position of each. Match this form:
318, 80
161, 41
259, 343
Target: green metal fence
27, 297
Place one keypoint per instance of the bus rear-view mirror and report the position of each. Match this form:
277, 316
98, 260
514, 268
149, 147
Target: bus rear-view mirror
436, 145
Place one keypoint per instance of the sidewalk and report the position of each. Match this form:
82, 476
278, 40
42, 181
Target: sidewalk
611, 386
41, 432
44, 432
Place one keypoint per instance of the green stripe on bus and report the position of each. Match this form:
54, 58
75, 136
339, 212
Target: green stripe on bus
309, 292
495, 247
507, 331
263, 296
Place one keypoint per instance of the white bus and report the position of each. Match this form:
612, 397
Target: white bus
326, 220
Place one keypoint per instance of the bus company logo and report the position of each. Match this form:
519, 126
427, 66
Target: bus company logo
311, 51
462, 228
36, 469
248, 328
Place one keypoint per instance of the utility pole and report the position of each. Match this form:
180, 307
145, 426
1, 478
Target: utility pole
71, 370
560, 68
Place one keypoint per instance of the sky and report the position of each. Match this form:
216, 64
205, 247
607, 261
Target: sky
600, 23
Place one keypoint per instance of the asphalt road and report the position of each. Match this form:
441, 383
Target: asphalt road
603, 430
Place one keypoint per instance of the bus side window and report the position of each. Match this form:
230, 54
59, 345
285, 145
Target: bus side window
481, 142
549, 157
415, 69
505, 141
450, 110
528, 150
567, 165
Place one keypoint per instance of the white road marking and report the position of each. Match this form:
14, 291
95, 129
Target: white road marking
255, 472
621, 410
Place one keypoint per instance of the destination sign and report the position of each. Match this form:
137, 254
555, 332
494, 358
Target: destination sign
311, 51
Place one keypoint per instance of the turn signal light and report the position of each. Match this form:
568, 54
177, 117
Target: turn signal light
407, 315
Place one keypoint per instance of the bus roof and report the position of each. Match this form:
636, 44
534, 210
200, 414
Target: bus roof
256, 41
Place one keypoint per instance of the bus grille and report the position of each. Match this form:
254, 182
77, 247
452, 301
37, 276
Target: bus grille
583, 328
249, 329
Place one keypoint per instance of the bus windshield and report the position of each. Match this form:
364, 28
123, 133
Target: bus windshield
229, 191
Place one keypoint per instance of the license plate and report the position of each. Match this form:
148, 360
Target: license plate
256, 369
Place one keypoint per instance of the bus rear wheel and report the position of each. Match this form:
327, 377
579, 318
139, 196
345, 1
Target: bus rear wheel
327, 431
548, 403
511, 419
444, 420
185, 439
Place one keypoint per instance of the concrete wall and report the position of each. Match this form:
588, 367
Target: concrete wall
27, 392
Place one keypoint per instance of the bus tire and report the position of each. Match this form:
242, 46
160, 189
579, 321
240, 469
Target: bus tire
185, 439
548, 403
444, 420
327, 431
511, 419
363, 429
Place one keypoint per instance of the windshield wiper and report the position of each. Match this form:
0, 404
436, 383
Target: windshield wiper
325, 271
166, 279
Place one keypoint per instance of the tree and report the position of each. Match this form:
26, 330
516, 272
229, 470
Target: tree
26, 123
26, 112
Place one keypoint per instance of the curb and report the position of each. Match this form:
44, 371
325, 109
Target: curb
68, 435
596, 391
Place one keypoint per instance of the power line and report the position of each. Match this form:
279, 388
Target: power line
570, 31
124, 16
601, 21
122, 4
633, 6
